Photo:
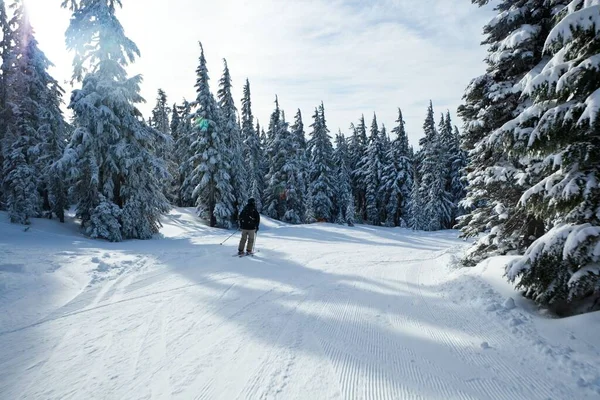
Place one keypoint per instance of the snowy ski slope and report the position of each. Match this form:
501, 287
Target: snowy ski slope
322, 312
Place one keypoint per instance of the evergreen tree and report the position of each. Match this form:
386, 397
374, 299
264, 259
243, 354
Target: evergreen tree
354, 148
111, 155
355, 153
185, 137
293, 195
417, 218
437, 207
175, 121
515, 44
20, 137
321, 179
208, 164
344, 203
252, 149
309, 216
230, 129
284, 200
301, 166
371, 167
165, 148
35, 129
54, 134
262, 134
444, 143
457, 159
175, 188
5, 48
358, 149
160, 114
383, 197
397, 180
558, 136
299, 135
276, 154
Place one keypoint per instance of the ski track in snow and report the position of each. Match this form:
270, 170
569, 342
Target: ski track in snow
322, 311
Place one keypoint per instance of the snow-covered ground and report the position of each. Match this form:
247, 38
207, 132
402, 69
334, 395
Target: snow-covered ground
322, 311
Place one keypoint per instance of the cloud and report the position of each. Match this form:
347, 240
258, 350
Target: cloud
356, 56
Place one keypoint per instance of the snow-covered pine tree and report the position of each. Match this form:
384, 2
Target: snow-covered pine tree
283, 197
435, 201
111, 155
20, 179
4, 68
344, 200
36, 130
358, 149
309, 215
294, 199
185, 137
5, 47
262, 135
397, 179
160, 113
253, 154
264, 164
353, 143
371, 171
301, 165
299, 134
385, 144
53, 132
175, 121
208, 164
234, 143
165, 149
355, 152
416, 216
444, 144
457, 162
276, 155
559, 132
515, 42
321, 173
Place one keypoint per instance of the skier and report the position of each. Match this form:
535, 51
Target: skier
249, 223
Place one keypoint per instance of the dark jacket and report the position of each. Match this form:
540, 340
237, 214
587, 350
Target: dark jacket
249, 218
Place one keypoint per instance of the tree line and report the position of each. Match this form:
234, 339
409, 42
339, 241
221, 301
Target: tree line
122, 172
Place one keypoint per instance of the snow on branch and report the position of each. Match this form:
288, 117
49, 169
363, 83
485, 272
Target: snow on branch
586, 18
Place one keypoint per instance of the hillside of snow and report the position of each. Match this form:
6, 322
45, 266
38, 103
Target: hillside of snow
321, 311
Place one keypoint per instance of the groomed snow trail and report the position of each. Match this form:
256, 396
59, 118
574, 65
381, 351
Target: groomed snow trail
321, 312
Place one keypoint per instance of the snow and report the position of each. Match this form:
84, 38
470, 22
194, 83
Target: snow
592, 107
515, 39
322, 311
586, 18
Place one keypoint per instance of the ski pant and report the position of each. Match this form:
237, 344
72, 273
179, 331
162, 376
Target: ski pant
248, 235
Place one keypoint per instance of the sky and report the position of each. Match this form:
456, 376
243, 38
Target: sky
357, 56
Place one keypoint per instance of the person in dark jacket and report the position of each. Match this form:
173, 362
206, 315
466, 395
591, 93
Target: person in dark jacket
249, 223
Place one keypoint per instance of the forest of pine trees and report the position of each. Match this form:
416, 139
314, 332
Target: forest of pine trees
521, 178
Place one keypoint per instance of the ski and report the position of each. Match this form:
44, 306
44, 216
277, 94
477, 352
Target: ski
244, 255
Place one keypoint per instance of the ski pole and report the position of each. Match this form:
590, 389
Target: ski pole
236, 231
